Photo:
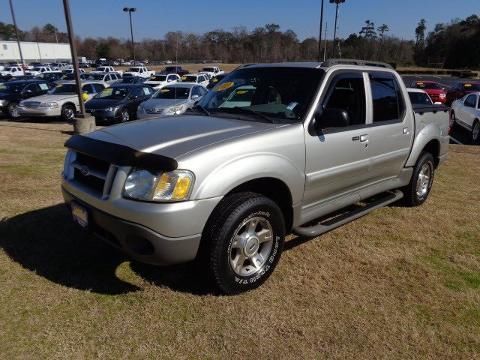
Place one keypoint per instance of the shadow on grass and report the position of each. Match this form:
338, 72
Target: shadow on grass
47, 242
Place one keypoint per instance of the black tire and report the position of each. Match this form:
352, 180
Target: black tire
68, 113
13, 110
413, 195
453, 122
476, 132
221, 234
124, 115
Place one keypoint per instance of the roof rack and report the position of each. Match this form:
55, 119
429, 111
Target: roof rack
332, 62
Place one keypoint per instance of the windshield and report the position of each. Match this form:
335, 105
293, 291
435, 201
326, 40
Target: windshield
159, 78
209, 69
14, 88
471, 87
171, 68
113, 93
432, 86
276, 92
172, 93
95, 76
64, 89
189, 79
37, 69
134, 70
419, 98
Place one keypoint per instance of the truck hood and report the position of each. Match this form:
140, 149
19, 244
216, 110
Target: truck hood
175, 136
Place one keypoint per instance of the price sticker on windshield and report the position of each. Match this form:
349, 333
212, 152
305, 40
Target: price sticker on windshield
224, 86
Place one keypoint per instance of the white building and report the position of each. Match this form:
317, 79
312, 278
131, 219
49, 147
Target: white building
34, 51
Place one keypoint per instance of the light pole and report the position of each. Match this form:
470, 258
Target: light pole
16, 35
130, 10
337, 2
320, 33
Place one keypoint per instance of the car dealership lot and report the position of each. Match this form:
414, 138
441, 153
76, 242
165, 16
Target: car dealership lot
400, 282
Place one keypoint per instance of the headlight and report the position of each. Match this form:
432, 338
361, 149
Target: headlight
175, 110
111, 109
49, 105
165, 187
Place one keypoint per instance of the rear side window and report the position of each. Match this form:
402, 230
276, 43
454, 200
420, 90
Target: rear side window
387, 99
470, 101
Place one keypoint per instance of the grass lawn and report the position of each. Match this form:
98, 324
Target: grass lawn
398, 283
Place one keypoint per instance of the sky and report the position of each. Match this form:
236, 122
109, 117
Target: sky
102, 18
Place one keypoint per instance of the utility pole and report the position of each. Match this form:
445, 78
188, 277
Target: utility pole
130, 10
73, 50
325, 45
337, 4
320, 33
16, 35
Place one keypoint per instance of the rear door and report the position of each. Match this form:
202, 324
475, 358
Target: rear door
468, 111
390, 130
336, 158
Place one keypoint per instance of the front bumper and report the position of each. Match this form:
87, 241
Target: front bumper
159, 234
102, 115
40, 112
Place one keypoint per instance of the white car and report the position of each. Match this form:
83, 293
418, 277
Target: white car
70, 71
200, 79
159, 81
212, 71
419, 97
37, 70
12, 70
466, 113
107, 78
140, 71
106, 69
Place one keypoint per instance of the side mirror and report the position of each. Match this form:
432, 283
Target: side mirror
195, 97
331, 118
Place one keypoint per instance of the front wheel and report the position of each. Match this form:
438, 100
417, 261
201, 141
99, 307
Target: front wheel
124, 116
13, 111
68, 113
416, 193
245, 237
476, 132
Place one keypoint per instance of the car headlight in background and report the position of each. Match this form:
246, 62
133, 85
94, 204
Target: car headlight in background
111, 109
175, 110
164, 187
48, 105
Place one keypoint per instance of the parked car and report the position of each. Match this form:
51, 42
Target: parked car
84, 65
118, 103
460, 89
71, 71
13, 71
212, 71
70, 76
12, 92
437, 92
51, 77
214, 81
419, 97
200, 79
62, 101
230, 183
140, 71
466, 113
161, 80
107, 78
106, 69
171, 100
175, 70
130, 79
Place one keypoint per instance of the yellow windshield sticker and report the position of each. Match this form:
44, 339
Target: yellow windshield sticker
184, 78
241, 92
224, 86
215, 80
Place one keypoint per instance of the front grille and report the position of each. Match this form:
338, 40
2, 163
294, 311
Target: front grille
95, 174
31, 104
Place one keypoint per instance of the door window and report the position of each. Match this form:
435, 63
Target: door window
387, 99
347, 93
470, 101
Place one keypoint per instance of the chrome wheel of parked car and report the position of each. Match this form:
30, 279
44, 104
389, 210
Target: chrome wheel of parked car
68, 112
423, 180
125, 116
13, 110
251, 246
476, 132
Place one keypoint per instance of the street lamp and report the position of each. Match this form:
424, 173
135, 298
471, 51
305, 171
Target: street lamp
130, 10
320, 33
337, 2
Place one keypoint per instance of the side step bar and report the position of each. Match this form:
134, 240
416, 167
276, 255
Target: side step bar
332, 223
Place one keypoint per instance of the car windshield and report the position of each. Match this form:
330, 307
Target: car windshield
113, 93
9, 87
428, 85
172, 93
36, 69
208, 69
171, 69
277, 93
471, 87
159, 78
95, 76
189, 79
65, 89
419, 98
135, 69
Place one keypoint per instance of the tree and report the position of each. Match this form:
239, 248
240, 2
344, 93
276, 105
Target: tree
368, 31
419, 52
382, 30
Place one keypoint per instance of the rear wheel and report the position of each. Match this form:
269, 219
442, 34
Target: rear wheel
124, 116
476, 132
13, 110
68, 112
245, 240
416, 193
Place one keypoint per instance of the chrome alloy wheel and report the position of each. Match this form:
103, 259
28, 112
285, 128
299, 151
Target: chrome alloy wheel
423, 180
251, 246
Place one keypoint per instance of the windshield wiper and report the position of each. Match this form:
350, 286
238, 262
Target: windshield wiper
241, 110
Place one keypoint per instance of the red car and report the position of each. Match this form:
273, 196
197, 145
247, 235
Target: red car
436, 91
460, 89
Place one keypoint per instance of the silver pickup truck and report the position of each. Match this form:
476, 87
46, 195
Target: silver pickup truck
295, 148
